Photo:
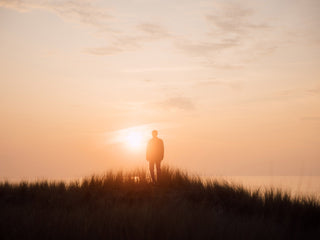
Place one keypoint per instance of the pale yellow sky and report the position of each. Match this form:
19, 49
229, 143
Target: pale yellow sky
232, 86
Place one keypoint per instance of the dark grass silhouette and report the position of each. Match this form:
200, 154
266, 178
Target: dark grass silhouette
127, 206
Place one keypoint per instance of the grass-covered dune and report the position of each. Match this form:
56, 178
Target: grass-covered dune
127, 206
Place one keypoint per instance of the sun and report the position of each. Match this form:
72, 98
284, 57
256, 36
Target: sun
134, 140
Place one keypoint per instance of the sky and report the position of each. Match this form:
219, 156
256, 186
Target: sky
232, 86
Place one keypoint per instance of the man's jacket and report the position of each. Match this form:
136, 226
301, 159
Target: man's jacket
155, 150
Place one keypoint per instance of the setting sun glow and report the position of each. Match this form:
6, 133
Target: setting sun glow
232, 86
134, 140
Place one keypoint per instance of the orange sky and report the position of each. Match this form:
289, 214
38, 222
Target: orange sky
232, 86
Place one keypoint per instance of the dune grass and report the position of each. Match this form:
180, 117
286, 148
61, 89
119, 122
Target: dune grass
126, 205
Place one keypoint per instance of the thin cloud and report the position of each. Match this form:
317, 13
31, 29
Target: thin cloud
83, 11
229, 24
99, 18
233, 85
179, 103
227, 66
148, 32
314, 119
234, 34
299, 92
202, 48
118, 45
102, 51
314, 91
233, 19
153, 31
163, 69
286, 95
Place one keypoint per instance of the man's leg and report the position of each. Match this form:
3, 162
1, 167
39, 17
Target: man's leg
151, 168
158, 165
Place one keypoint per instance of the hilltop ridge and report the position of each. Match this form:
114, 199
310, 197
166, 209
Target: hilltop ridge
126, 205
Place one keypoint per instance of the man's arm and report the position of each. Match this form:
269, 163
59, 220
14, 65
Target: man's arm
162, 149
148, 151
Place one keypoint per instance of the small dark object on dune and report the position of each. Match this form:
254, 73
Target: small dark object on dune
127, 206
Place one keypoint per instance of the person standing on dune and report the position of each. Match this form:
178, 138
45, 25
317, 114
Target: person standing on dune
155, 152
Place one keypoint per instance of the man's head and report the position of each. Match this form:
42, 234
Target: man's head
154, 133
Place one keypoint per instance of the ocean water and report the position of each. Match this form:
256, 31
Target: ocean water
294, 185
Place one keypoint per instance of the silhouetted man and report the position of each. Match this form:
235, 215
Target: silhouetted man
155, 151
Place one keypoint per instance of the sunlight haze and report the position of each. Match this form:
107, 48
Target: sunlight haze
232, 87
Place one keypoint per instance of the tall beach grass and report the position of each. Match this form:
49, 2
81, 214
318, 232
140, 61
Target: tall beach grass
126, 205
